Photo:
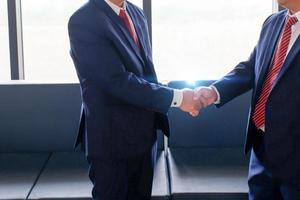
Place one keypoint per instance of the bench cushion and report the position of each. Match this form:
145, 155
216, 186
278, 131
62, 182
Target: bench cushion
160, 188
18, 173
66, 177
208, 174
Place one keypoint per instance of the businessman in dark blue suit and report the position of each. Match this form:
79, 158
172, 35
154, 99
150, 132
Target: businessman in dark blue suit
123, 104
273, 73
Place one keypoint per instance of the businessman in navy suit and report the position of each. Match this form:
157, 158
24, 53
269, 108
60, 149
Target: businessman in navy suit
273, 73
123, 104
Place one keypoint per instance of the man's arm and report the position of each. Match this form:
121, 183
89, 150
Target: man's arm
98, 62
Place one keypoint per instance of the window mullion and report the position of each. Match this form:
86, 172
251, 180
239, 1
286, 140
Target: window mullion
15, 39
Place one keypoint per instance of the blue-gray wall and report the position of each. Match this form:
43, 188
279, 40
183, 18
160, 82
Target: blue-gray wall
44, 118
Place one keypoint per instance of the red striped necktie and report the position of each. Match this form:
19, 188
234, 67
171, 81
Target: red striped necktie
279, 58
124, 17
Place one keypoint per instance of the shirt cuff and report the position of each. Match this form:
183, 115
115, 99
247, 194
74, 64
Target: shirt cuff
177, 98
218, 94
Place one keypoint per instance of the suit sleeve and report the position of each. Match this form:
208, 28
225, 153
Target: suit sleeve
99, 63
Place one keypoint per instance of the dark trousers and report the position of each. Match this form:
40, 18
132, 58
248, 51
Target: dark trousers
262, 183
128, 179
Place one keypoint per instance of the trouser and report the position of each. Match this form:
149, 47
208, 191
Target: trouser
127, 179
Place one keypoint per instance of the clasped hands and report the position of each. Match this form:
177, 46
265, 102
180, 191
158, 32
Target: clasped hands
195, 100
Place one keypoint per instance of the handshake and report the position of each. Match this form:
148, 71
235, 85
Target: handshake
194, 101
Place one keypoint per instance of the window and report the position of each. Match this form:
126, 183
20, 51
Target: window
194, 39
46, 41
4, 43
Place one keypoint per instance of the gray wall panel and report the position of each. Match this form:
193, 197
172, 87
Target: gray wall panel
223, 128
37, 117
40, 117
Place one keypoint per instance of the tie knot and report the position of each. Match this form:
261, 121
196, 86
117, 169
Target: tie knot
122, 13
291, 21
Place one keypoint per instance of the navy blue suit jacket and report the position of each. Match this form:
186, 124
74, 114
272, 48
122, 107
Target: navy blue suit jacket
282, 153
123, 104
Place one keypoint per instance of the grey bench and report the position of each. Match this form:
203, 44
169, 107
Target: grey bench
18, 173
204, 158
41, 120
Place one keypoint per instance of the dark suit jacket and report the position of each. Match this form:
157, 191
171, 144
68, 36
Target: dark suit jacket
122, 103
282, 153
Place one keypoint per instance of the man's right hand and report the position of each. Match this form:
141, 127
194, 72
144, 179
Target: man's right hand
206, 96
189, 103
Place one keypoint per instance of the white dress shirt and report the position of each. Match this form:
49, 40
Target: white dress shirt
294, 37
177, 94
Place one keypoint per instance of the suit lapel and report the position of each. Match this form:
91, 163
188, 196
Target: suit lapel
149, 69
288, 61
269, 52
270, 49
137, 27
117, 21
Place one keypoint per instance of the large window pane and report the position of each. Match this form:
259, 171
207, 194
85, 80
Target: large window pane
4, 42
46, 42
198, 39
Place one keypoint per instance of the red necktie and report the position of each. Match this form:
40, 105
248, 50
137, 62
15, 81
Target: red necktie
279, 58
124, 17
